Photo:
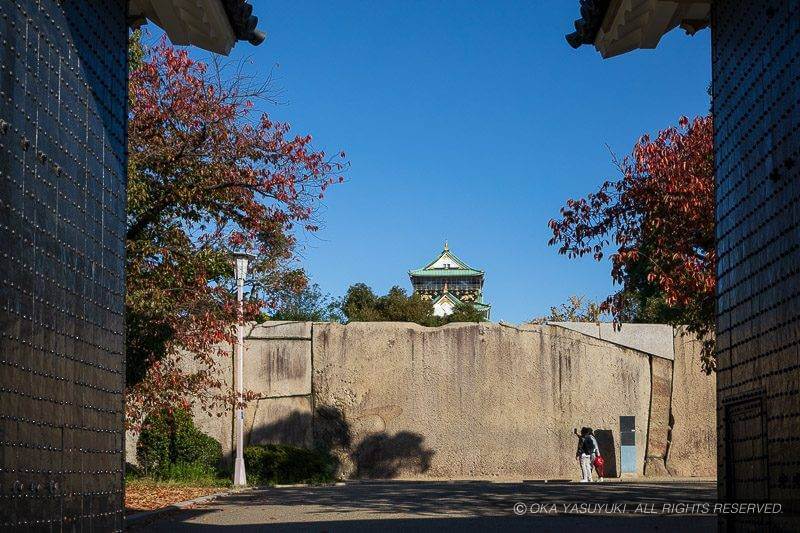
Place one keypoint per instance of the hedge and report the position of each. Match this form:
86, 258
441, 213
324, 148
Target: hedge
276, 463
171, 438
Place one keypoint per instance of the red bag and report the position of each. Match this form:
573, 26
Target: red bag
599, 465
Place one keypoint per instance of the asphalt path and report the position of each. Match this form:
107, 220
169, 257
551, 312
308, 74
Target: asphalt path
454, 506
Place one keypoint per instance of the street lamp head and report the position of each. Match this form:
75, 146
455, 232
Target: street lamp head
242, 259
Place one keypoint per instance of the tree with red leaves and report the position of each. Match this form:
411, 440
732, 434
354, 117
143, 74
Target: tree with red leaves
659, 220
207, 176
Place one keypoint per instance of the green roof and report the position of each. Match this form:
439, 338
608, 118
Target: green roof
462, 270
453, 299
445, 272
480, 306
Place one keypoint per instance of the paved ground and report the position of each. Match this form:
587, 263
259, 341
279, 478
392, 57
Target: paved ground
448, 506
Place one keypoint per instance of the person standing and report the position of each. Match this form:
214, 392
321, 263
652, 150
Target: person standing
595, 453
587, 451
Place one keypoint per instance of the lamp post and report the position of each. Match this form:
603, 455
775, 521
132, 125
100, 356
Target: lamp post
239, 475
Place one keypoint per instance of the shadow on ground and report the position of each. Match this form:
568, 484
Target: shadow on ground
458, 525
442, 506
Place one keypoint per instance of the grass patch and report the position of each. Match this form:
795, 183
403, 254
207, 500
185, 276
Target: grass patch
187, 475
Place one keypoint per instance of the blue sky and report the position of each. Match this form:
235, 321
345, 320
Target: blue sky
466, 121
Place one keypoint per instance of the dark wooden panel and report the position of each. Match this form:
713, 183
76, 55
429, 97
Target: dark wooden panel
756, 69
63, 113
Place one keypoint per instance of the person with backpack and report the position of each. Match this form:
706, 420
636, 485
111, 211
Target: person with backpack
587, 451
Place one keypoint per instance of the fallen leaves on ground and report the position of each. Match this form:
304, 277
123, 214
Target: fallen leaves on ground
149, 495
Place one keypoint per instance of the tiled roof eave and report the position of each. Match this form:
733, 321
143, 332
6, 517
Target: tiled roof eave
445, 272
447, 296
593, 12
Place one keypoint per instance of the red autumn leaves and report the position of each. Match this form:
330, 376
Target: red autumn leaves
207, 175
659, 215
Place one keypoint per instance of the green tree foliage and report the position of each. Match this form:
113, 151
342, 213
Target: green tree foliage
169, 439
465, 312
309, 304
645, 301
575, 309
361, 304
655, 222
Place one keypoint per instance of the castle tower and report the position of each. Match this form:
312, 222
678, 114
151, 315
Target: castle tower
448, 281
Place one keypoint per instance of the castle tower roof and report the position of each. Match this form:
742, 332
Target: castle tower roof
447, 264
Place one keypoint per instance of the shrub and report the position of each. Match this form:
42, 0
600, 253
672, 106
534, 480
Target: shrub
192, 446
132, 472
171, 438
277, 463
153, 448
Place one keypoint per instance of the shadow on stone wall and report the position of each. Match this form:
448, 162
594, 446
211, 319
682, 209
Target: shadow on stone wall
608, 449
384, 456
294, 429
376, 455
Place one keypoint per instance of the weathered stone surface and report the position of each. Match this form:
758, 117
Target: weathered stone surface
219, 425
476, 400
277, 367
693, 447
280, 421
658, 433
131, 439
470, 400
274, 329
591, 329
655, 467
655, 339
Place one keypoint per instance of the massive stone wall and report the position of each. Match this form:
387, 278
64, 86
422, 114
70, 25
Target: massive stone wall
63, 102
474, 400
